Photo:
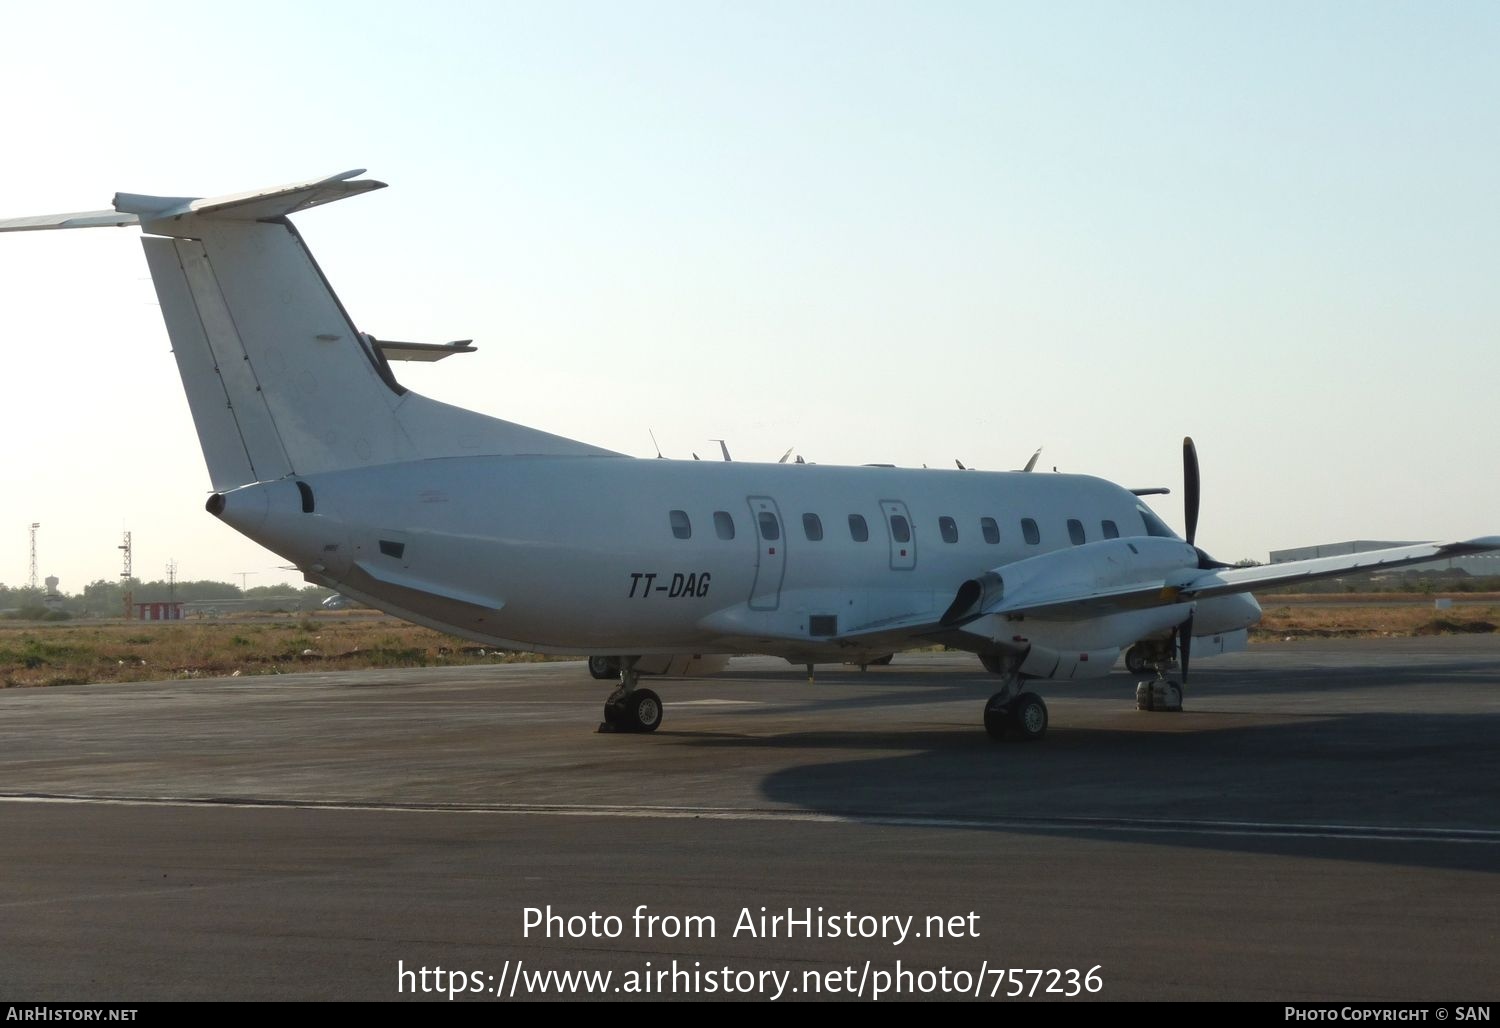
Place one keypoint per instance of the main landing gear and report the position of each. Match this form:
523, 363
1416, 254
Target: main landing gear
630, 709
1159, 694
1011, 709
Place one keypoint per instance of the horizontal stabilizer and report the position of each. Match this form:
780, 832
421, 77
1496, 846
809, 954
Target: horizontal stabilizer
263, 204
81, 219
277, 202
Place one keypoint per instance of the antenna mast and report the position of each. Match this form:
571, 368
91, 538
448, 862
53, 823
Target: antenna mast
125, 576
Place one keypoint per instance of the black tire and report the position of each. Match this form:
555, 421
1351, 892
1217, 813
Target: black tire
996, 717
882, 661
641, 711
991, 663
1028, 716
1135, 660
613, 716
604, 667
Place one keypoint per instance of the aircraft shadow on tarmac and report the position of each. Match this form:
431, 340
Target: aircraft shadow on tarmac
1263, 776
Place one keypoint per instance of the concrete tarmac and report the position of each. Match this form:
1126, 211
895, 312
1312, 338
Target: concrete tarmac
1322, 824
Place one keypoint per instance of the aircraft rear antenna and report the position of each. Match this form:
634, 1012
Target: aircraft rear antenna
724, 447
655, 443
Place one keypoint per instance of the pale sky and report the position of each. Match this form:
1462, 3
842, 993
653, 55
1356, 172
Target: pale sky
875, 232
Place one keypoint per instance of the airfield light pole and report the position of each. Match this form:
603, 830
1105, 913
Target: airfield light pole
172, 580
34, 526
125, 576
243, 575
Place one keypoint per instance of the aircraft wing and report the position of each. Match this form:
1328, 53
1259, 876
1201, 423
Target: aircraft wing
988, 595
1199, 584
1218, 581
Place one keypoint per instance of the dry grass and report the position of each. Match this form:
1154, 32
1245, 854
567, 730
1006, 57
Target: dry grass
1294, 617
119, 651
72, 654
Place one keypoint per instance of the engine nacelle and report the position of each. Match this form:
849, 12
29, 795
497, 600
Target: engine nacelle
1073, 573
1045, 662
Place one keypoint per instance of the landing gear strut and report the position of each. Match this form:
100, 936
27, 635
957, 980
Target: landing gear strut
1010, 709
628, 708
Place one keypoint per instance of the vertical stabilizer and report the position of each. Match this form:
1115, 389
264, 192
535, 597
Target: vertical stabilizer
279, 380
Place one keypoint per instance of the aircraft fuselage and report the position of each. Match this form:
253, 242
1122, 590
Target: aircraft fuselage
611, 555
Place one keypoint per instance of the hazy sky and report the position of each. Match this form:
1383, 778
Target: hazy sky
876, 232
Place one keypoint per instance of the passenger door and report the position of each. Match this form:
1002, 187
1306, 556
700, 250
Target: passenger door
902, 533
770, 553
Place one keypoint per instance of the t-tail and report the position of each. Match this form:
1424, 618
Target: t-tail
279, 380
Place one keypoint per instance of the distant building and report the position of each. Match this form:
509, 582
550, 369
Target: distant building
159, 611
1482, 565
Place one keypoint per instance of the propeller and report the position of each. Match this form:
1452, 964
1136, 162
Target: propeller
1190, 497
1190, 486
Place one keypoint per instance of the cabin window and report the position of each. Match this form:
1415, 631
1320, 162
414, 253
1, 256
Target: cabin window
990, 529
949, 529
1154, 525
770, 530
1029, 532
682, 528
900, 530
813, 526
723, 524
1110, 530
1075, 531
858, 530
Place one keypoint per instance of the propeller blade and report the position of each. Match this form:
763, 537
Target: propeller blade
1190, 486
1032, 462
785, 455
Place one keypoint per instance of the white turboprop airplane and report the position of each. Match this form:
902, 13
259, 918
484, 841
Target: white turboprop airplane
494, 531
